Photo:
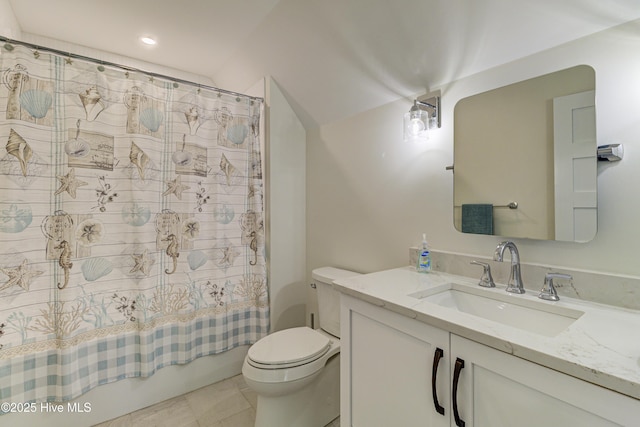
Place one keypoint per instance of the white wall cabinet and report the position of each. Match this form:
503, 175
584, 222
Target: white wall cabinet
387, 378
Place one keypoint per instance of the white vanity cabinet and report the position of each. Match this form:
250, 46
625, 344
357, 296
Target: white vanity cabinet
498, 389
387, 367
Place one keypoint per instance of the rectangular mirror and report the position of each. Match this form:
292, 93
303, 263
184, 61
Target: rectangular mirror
532, 145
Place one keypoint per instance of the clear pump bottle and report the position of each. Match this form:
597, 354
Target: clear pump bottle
424, 257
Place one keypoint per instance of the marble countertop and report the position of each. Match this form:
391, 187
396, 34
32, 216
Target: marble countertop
602, 346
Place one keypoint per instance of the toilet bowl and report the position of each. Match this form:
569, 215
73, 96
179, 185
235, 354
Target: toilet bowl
296, 372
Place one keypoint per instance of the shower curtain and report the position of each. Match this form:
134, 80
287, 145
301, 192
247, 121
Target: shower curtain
131, 224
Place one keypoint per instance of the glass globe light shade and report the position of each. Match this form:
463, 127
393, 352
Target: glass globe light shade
416, 125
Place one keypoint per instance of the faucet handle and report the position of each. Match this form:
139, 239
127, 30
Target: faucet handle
486, 280
548, 291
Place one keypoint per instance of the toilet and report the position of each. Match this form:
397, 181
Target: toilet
296, 372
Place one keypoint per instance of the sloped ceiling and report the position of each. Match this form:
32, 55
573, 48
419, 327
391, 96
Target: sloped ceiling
332, 58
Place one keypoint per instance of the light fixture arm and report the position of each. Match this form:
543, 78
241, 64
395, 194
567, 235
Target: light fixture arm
425, 104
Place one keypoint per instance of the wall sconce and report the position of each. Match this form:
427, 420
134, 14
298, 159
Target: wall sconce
423, 115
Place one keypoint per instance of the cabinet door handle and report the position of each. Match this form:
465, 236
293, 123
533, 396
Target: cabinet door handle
434, 374
456, 378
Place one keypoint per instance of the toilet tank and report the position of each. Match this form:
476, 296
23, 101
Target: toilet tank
329, 297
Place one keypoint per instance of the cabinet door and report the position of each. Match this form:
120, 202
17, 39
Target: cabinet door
497, 389
388, 377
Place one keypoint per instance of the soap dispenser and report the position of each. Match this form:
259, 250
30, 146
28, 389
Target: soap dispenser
424, 257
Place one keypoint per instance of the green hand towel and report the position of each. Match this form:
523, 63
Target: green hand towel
477, 218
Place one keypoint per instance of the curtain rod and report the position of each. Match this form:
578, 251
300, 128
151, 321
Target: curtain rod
11, 42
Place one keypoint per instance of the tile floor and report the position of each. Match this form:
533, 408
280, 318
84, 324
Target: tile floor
228, 403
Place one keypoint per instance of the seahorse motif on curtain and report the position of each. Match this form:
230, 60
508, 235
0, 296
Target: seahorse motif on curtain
131, 225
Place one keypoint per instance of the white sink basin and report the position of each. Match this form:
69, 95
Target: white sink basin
511, 310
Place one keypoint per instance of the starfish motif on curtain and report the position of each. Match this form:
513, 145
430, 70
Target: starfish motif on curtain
143, 263
229, 254
69, 183
19, 276
175, 187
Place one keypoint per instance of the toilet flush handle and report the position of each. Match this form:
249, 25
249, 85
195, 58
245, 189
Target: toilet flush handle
313, 326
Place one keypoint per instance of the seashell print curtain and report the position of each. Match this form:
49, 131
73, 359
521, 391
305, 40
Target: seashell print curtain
131, 224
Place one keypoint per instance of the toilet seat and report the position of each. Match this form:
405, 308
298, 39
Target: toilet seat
290, 370
288, 348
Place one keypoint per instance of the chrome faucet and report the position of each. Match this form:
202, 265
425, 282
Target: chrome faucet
514, 284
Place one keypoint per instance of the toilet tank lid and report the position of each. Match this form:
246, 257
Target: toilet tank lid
329, 274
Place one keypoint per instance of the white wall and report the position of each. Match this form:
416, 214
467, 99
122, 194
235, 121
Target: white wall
370, 196
114, 58
283, 156
286, 216
9, 26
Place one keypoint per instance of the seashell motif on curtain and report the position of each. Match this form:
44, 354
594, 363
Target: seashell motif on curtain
92, 103
195, 108
237, 133
228, 169
96, 268
193, 119
77, 147
196, 259
151, 119
18, 148
228, 176
90, 90
138, 158
36, 102
182, 157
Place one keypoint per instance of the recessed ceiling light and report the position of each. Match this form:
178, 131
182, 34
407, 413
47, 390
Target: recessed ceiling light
148, 40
